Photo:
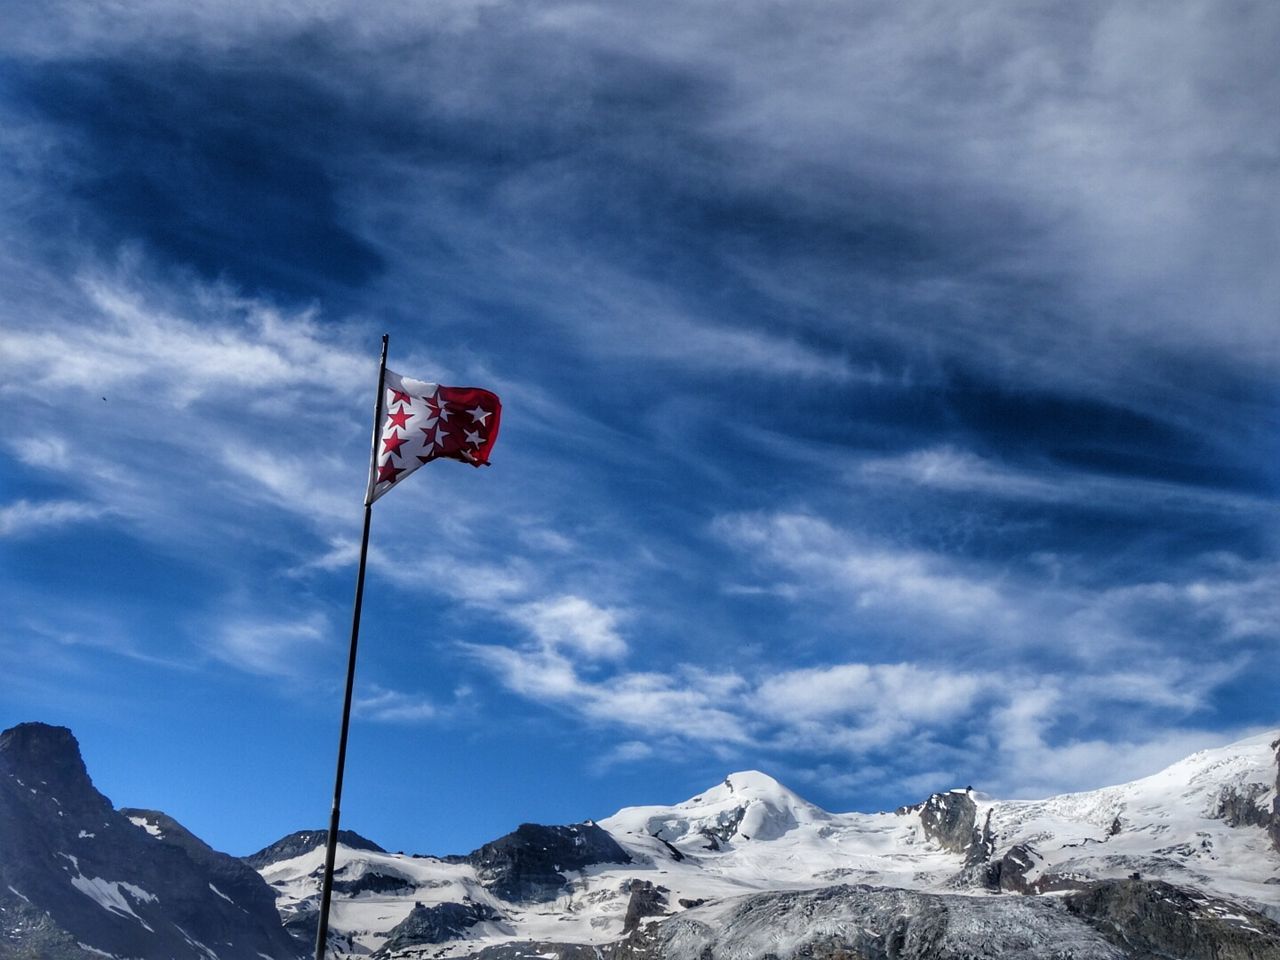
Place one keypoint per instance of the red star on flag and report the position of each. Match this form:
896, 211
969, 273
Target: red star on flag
392, 444
438, 408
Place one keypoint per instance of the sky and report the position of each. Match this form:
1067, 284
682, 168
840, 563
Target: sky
891, 395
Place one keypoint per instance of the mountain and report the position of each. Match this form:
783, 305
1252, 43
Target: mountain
1182, 863
79, 879
1185, 863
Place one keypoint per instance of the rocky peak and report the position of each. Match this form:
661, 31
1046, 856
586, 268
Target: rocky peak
528, 863
304, 841
98, 884
1274, 829
46, 760
949, 819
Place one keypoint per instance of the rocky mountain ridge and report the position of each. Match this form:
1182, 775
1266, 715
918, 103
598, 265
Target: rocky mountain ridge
1202, 828
79, 879
1185, 863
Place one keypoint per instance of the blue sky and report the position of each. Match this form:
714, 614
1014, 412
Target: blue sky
890, 399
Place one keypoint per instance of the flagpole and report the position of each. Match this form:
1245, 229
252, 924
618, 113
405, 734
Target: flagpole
331, 852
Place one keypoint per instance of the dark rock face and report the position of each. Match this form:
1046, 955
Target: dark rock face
1012, 869
75, 872
527, 865
304, 841
982, 845
727, 823
373, 882
1239, 808
646, 900
870, 923
437, 924
231, 875
950, 820
1155, 919
1111, 921
1009, 874
541, 950
1274, 828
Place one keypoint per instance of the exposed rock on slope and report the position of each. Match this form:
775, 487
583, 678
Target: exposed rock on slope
871, 923
304, 841
431, 925
529, 863
79, 879
1274, 829
1133, 920
644, 900
1152, 919
950, 819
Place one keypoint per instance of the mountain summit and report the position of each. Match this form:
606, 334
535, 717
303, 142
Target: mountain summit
79, 879
1184, 863
746, 852
746, 805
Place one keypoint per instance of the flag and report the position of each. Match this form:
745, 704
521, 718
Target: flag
423, 421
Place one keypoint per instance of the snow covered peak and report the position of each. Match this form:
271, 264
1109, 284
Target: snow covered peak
752, 784
1202, 824
746, 805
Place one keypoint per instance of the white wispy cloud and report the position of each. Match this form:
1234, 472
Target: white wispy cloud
273, 648
954, 470
380, 704
573, 623
1004, 701
906, 690
26, 517
876, 577
892, 721
1007, 604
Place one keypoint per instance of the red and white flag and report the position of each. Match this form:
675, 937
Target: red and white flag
425, 421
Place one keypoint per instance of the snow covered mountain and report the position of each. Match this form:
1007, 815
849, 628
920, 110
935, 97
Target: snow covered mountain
1206, 830
1185, 863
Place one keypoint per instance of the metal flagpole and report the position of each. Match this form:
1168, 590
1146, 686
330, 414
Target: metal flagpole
326, 888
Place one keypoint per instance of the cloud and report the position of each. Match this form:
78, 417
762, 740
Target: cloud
690, 705
1006, 667
574, 624
998, 728
26, 517
845, 690
271, 648
950, 469
1009, 605
134, 337
381, 705
875, 577
629, 751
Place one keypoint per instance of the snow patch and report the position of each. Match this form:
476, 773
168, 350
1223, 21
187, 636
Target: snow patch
196, 943
17, 893
86, 835
109, 894
221, 894
146, 825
